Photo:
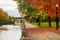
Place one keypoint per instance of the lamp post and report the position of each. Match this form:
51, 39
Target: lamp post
57, 25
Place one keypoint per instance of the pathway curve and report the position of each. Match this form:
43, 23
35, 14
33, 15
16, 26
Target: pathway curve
45, 36
42, 34
29, 25
52, 36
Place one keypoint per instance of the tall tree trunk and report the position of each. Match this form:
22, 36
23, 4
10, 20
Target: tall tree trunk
49, 19
39, 23
39, 19
57, 23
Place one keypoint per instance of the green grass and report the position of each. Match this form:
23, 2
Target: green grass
45, 24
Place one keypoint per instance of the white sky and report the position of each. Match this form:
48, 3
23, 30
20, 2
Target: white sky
9, 5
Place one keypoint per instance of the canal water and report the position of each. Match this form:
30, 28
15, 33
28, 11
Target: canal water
13, 33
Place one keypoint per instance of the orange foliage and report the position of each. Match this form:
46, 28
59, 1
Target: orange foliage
3, 14
48, 5
35, 30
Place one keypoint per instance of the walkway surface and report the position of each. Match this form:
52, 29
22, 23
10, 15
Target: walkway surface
29, 25
43, 34
35, 33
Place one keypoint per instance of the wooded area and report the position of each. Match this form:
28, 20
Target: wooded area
38, 11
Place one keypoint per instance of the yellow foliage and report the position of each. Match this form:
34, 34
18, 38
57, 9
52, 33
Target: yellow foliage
3, 15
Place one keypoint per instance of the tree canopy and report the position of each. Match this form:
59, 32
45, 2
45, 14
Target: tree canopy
3, 15
46, 5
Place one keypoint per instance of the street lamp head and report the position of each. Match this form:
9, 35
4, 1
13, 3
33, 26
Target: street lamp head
57, 5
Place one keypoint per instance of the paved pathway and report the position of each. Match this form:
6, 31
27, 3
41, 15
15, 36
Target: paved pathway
44, 36
52, 36
28, 25
41, 36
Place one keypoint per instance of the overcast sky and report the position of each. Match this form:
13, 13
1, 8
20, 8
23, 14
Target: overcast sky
10, 6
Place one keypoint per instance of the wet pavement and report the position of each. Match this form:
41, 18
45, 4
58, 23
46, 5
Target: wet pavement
13, 33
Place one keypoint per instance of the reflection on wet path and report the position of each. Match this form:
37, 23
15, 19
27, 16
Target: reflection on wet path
13, 33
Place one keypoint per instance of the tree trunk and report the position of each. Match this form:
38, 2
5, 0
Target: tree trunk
57, 23
38, 23
49, 19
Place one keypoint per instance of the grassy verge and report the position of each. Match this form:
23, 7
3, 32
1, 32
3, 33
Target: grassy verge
45, 24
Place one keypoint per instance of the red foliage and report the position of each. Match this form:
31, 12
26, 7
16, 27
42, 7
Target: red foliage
51, 12
35, 30
58, 3
41, 2
50, 2
29, 1
34, 1
49, 5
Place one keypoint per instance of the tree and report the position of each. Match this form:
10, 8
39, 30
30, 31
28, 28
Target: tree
38, 5
53, 11
25, 9
30, 7
3, 15
47, 5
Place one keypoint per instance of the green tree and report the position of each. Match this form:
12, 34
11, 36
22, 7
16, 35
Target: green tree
25, 9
